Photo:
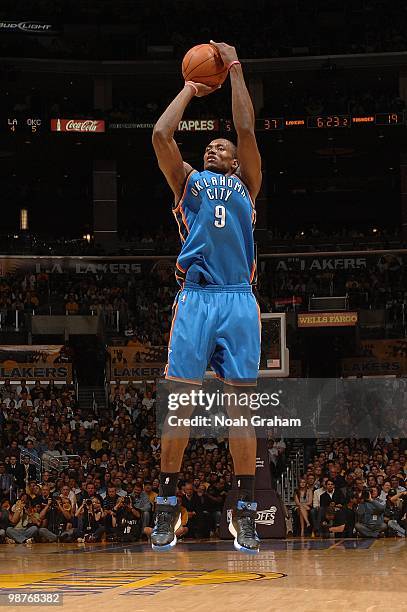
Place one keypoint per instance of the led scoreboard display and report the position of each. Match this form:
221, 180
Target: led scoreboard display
325, 121
39, 125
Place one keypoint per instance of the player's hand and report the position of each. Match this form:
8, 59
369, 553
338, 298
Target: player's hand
203, 90
227, 52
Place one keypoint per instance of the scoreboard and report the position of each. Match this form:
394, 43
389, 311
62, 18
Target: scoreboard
39, 125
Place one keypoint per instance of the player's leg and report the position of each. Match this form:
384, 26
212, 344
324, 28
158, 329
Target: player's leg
236, 361
187, 361
173, 443
243, 447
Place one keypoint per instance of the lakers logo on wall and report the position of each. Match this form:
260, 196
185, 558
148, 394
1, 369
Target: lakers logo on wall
131, 582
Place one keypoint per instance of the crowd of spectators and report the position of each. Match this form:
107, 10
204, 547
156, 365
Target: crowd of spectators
137, 305
354, 487
287, 28
109, 483
379, 285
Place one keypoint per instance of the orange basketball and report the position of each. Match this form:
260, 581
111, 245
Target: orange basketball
203, 64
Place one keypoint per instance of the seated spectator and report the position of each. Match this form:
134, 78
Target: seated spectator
332, 494
191, 503
303, 499
152, 495
202, 517
111, 504
91, 523
394, 515
71, 306
5, 519
370, 515
56, 518
315, 514
129, 520
216, 495
142, 503
17, 471
6, 481
21, 532
333, 522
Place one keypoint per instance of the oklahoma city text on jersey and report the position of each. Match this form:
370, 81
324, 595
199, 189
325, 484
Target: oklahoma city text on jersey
219, 187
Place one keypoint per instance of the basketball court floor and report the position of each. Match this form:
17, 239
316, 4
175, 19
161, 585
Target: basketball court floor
294, 575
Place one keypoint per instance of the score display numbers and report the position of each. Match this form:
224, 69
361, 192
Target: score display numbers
31, 125
326, 121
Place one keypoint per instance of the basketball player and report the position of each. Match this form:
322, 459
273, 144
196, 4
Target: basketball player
216, 316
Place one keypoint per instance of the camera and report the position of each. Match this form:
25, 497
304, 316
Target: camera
88, 502
365, 494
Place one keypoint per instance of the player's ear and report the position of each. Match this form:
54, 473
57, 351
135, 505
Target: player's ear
235, 164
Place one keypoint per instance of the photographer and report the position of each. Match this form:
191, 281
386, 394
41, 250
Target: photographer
91, 521
370, 514
128, 520
5, 519
141, 501
339, 522
393, 514
111, 504
333, 523
21, 532
56, 520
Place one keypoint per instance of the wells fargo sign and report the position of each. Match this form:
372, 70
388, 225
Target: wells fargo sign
327, 319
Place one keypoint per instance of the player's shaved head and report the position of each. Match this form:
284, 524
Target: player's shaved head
228, 143
221, 156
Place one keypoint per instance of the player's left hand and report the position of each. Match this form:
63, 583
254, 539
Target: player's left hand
227, 52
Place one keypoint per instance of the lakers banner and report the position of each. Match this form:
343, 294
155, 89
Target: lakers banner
387, 262
327, 319
71, 265
38, 362
137, 361
365, 366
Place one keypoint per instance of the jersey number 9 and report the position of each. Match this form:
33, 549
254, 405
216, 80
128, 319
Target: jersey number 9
220, 216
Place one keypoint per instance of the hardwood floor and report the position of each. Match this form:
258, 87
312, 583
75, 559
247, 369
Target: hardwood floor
290, 575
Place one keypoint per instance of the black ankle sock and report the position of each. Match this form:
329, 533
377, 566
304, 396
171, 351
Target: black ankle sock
245, 485
168, 484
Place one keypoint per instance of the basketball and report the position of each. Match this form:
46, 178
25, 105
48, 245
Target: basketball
203, 64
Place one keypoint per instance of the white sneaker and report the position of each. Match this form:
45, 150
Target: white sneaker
29, 541
80, 540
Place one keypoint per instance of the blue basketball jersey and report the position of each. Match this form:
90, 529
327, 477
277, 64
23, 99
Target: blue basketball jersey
215, 217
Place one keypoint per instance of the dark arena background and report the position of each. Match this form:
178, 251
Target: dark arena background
88, 245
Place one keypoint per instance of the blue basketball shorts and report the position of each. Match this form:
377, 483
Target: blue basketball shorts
216, 325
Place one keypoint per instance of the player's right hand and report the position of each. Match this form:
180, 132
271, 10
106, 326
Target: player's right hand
204, 90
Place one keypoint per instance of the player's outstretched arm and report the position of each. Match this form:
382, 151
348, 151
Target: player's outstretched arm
243, 119
166, 149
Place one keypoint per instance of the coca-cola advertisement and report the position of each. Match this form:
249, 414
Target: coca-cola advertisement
77, 125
